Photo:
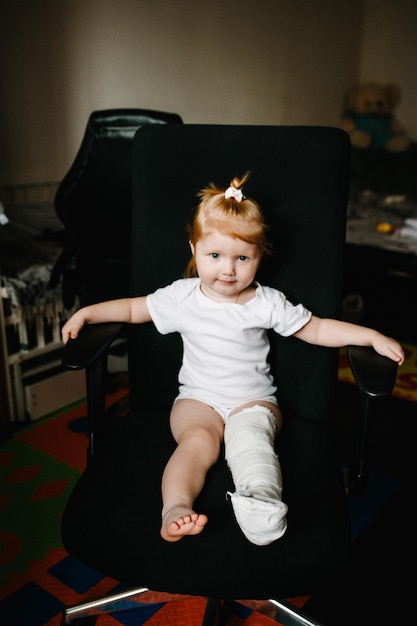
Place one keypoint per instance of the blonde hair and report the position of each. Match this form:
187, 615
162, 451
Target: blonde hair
241, 219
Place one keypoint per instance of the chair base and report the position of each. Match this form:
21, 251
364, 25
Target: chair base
216, 610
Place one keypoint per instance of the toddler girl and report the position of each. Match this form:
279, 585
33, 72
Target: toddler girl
226, 391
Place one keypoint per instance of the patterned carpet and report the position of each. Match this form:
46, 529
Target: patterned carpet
38, 468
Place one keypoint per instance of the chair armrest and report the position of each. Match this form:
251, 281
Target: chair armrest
92, 343
375, 375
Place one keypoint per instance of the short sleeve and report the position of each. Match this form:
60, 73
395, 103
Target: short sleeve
163, 304
286, 318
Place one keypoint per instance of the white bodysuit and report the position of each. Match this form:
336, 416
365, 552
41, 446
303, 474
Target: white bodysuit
225, 344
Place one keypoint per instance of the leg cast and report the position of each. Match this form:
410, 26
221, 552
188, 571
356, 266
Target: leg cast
257, 501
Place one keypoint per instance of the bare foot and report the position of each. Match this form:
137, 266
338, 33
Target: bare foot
179, 521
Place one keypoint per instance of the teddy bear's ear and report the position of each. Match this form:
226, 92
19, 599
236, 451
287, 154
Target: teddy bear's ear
393, 93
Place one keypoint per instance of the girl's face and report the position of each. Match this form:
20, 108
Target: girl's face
226, 266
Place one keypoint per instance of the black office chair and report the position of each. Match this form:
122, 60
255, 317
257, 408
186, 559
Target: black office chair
112, 520
94, 202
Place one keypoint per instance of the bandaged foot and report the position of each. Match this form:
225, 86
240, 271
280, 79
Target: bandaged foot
249, 449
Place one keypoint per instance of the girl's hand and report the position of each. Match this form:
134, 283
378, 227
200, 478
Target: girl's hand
72, 327
389, 347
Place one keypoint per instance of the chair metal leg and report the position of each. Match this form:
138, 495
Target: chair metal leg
289, 615
282, 612
93, 607
128, 599
279, 611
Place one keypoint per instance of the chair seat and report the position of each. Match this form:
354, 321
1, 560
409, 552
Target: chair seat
130, 502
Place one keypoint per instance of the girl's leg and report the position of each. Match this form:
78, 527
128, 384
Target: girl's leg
198, 431
249, 448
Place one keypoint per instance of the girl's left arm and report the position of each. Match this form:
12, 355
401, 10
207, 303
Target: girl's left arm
335, 334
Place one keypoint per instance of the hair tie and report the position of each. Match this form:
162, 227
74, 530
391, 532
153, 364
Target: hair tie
232, 192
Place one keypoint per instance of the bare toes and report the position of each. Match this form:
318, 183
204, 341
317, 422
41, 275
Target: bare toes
189, 524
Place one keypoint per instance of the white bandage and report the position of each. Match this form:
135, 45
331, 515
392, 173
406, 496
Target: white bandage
249, 450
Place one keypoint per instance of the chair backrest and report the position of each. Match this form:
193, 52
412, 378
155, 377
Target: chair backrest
94, 198
299, 175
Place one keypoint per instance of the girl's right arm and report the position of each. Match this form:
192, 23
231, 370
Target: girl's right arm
128, 310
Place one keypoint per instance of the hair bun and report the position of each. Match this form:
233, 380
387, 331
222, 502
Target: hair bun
238, 183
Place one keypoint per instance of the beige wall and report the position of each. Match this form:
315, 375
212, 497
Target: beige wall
389, 52
211, 61
218, 61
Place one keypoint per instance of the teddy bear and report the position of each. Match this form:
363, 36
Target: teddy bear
369, 119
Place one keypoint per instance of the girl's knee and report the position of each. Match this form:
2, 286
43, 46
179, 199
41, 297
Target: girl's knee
208, 437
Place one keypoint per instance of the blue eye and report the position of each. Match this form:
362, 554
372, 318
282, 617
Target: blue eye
242, 257
214, 255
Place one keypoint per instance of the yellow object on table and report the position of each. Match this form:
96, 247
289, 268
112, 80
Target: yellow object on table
386, 228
